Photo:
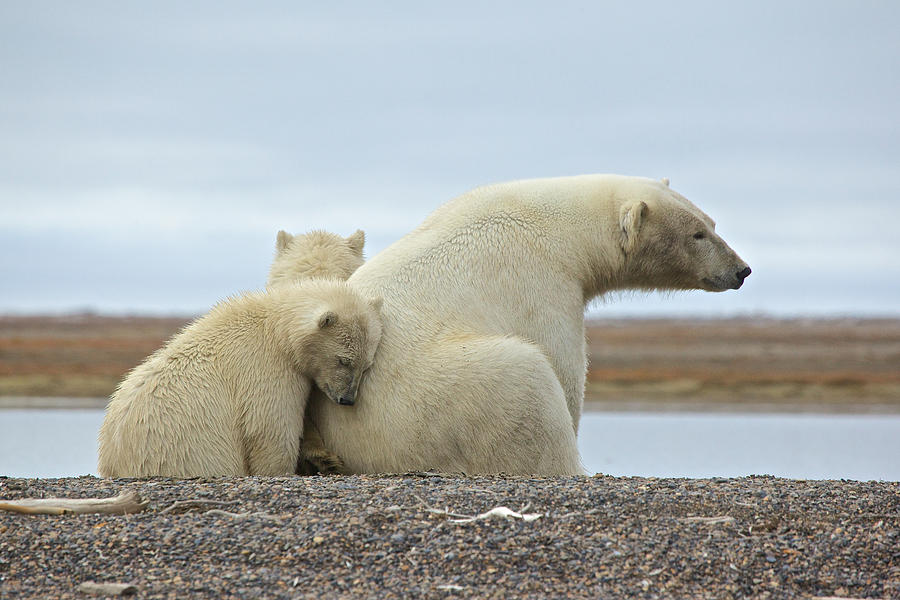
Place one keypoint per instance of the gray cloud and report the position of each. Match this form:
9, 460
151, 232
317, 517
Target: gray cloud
149, 153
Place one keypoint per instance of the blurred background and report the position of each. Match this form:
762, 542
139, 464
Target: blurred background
149, 153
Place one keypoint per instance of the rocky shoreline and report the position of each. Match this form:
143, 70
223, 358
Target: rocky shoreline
408, 536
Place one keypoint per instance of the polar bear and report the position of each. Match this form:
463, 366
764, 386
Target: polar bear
315, 254
482, 364
226, 395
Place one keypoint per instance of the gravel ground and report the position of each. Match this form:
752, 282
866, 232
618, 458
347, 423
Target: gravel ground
386, 537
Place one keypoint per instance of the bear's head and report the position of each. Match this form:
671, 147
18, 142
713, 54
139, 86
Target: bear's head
317, 254
670, 244
342, 334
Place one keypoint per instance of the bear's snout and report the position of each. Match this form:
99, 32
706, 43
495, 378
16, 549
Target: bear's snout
741, 276
346, 400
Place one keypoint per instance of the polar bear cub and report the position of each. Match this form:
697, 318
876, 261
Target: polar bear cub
315, 254
227, 395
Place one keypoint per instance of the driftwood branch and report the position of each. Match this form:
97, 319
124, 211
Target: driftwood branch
499, 512
108, 589
833, 598
708, 520
245, 515
125, 503
447, 513
180, 506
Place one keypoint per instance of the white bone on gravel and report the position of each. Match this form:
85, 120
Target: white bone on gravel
502, 512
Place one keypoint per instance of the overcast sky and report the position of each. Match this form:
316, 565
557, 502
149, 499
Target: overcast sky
149, 152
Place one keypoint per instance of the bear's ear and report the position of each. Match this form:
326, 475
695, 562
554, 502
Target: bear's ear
665, 181
356, 241
282, 240
630, 218
327, 319
376, 303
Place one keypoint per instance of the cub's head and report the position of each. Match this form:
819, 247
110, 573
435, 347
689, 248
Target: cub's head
317, 254
342, 334
670, 244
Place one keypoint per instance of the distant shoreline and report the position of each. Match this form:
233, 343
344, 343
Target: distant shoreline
51, 403
753, 365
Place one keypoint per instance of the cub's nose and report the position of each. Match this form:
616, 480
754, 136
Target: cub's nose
743, 273
346, 401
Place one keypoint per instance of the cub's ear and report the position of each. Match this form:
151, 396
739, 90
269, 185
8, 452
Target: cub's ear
327, 319
282, 240
631, 216
665, 181
356, 241
376, 303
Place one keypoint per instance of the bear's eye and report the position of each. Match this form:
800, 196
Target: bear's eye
344, 362
699, 235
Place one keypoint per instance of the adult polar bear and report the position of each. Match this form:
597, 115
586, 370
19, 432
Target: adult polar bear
482, 359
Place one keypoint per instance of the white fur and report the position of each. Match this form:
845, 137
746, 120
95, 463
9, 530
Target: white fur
226, 396
482, 363
311, 255
315, 254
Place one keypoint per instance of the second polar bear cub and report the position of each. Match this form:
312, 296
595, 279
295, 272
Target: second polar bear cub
226, 396
315, 254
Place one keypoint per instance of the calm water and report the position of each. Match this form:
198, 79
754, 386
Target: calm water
62, 443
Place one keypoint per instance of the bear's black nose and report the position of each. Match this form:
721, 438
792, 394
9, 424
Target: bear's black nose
345, 401
743, 273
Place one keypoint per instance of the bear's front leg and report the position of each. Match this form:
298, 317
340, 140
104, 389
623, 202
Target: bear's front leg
273, 424
314, 457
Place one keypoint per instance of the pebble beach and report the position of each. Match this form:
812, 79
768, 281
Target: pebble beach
415, 535
439, 536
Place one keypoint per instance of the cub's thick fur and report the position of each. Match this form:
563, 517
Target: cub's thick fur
315, 254
226, 396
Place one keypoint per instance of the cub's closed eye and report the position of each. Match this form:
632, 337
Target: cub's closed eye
699, 235
345, 362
